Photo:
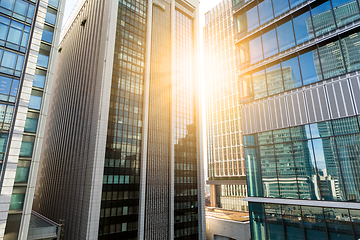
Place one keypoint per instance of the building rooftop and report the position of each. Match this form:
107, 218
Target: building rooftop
227, 214
41, 227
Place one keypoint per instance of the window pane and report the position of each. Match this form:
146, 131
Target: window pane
31, 125
257, 225
252, 19
323, 129
349, 155
294, 3
15, 36
331, 60
280, 6
35, 102
39, 81
259, 83
240, 23
8, 4
54, 3
328, 168
345, 126
346, 11
43, 61
47, 36
270, 44
315, 229
351, 49
323, 19
303, 28
274, 79
293, 227
305, 170
265, 138
253, 172
26, 149
268, 171
17, 201
291, 73
22, 174
265, 11
339, 230
256, 54
21, 7
310, 67
5, 84
3, 141
285, 36
50, 18
9, 60
275, 226
286, 171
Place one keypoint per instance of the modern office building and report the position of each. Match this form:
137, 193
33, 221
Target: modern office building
122, 153
300, 94
29, 35
226, 166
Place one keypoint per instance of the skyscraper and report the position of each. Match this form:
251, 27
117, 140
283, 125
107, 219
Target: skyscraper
122, 155
226, 166
298, 72
29, 35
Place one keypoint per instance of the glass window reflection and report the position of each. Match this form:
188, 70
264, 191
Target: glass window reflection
252, 19
256, 53
323, 18
259, 82
303, 28
310, 67
274, 79
280, 6
285, 36
291, 73
269, 173
265, 11
331, 60
345, 11
351, 49
269, 43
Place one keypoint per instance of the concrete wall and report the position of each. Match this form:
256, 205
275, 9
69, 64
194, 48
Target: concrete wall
226, 229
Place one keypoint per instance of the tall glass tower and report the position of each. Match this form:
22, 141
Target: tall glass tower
29, 35
122, 158
226, 164
299, 81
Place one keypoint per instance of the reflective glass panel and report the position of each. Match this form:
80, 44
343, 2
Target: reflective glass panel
351, 49
280, 6
257, 221
356, 227
305, 170
265, 11
345, 126
252, 19
43, 61
339, 230
282, 135
22, 174
285, 35
345, 11
269, 173
265, 138
256, 53
275, 227
328, 168
253, 172
54, 3
274, 79
293, 227
17, 201
50, 16
26, 149
240, 23
35, 102
269, 44
315, 229
312, 212
294, 3
286, 171
323, 19
332, 61
310, 67
259, 82
300, 133
303, 28
355, 215
323, 129
349, 155
291, 73
337, 214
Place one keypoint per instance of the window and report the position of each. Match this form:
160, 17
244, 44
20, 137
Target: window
332, 61
285, 35
265, 11
48, 33
256, 54
351, 49
345, 11
274, 79
259, 81
303, 28
269, 43
39, 78
323, 19
50, 16
291, 73
35, 99
44, 53
280, 7
310, 67
11, 63
252, 19
31, 122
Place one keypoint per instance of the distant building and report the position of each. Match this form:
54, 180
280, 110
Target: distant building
29, 37
122, 158
226, 166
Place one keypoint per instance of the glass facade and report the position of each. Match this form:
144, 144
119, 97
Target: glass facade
121, 183
186, 181
312, 159
275, 221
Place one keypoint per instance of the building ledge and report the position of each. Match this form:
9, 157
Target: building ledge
41, 227
313, 203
